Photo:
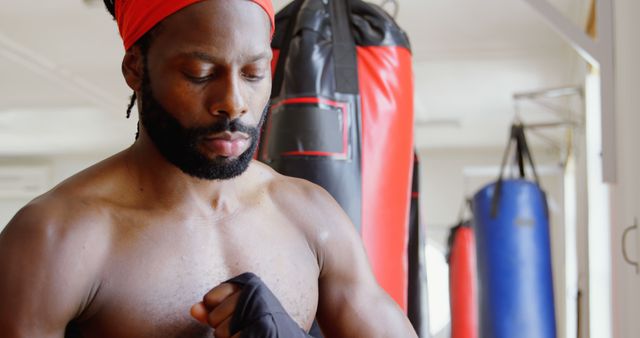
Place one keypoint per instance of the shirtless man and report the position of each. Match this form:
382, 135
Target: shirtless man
126, 247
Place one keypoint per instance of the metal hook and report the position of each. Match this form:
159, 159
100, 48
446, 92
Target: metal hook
517, 117
624, 245
465, 208
396, 7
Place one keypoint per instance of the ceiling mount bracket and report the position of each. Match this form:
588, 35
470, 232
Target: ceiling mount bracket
599, 53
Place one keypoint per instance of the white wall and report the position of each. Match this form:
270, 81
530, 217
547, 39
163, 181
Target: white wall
626, 193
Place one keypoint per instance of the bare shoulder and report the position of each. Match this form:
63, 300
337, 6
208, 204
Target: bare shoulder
314, 211
305, 200
351, 303
57, 217
51, 254
73, 209
58, 230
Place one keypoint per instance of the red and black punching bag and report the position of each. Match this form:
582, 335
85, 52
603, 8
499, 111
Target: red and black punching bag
342, 117
463, 294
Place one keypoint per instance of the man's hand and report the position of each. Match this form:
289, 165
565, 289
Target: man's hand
260, 313
217, 308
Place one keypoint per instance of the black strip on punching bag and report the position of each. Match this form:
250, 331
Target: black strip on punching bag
344, 48
518, 137
285, 18
372, 26
417, 303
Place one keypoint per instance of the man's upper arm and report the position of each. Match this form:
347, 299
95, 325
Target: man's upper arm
351, 302
43, 276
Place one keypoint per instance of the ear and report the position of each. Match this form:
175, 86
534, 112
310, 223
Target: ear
133, 68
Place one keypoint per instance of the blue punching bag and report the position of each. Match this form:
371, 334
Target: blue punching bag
513, 253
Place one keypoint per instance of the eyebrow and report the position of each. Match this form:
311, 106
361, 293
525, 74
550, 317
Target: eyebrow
206, 57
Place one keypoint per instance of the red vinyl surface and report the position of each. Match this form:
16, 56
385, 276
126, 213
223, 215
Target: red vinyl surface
274, 60
462, 285
386, 88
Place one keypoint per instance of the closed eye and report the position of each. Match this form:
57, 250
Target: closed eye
253, 77
255, 72
198, 79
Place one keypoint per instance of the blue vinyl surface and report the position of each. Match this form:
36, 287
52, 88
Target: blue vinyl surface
514, 262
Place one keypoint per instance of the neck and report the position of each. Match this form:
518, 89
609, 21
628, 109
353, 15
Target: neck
164, 185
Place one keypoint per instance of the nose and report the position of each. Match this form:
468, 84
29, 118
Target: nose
229, 98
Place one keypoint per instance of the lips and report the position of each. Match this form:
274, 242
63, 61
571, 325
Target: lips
227, 144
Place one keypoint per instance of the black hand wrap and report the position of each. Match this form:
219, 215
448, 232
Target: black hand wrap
259, 314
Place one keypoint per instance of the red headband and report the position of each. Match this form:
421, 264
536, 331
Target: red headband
136, 17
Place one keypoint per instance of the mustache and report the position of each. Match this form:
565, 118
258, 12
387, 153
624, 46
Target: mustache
223, 125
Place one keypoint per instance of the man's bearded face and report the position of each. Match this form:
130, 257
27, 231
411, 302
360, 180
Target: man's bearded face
179, 145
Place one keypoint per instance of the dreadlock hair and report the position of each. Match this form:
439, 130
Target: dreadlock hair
144, 43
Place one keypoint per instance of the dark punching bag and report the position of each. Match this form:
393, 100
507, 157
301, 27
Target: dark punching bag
417, 302
513, 253
342, 117
463, 294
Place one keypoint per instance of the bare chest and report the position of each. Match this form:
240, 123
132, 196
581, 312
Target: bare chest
154, 276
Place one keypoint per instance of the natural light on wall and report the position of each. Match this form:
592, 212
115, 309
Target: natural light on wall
438, 289
571, 247
599, 218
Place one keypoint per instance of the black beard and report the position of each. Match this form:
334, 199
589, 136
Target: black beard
179, 145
